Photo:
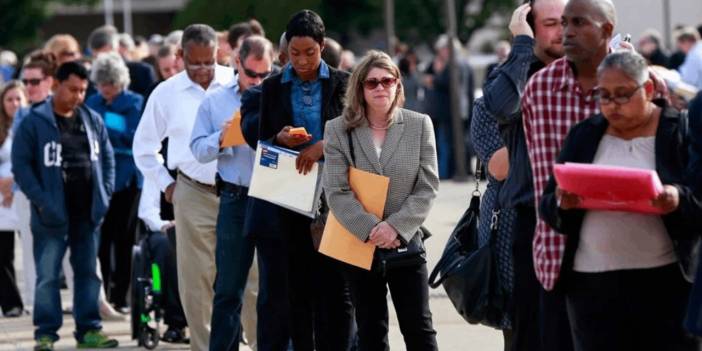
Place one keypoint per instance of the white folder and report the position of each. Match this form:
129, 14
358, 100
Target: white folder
275, 179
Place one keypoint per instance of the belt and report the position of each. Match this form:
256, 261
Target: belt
207, 187
232, 188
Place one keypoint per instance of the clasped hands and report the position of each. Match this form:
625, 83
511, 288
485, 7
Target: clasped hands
384, 236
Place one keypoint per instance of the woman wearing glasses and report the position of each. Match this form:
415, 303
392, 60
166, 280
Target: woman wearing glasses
624, 286
398, 144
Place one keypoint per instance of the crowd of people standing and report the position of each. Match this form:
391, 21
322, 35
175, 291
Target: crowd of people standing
94, 151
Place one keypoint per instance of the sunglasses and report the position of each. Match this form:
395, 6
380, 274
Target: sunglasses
251, 74
373, 83
33, 81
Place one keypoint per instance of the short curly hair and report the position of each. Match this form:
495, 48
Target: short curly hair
109, 68
306, 23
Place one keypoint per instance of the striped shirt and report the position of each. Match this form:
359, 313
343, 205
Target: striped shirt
552, 103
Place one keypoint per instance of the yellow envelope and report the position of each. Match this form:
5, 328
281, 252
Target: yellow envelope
233, 135
371, 190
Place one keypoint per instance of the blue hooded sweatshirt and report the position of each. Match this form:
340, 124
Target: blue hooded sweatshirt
37, 167
121, 119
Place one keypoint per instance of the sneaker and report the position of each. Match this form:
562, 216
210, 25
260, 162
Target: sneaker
44, 343
96, 339
175, 336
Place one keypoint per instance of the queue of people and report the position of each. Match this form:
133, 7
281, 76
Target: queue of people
82, 171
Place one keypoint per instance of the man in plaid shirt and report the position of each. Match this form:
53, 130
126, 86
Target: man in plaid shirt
556, 98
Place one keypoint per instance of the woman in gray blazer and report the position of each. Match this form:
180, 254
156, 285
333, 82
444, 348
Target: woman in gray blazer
399, 144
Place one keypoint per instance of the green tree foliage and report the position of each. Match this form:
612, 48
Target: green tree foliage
20, 20
416, 20
220, 14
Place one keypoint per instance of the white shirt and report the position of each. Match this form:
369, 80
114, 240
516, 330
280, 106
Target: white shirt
611, 240
8, 217
170, 113
150, 206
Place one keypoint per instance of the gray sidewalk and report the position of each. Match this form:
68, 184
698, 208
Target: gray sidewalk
454, 334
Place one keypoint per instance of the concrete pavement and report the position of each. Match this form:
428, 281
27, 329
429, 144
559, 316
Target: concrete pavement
454, 334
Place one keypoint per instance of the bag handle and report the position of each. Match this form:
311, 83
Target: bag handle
443, 265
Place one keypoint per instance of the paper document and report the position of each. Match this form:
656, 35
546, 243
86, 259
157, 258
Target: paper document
233, 135
371, 190
275, 179
610, 188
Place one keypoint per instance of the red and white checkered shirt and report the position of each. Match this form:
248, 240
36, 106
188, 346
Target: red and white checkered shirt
552, 103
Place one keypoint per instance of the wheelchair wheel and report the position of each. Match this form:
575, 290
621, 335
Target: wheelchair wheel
138, 291
149, 338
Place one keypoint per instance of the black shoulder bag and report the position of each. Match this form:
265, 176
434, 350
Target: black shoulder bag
468, 271
408, 254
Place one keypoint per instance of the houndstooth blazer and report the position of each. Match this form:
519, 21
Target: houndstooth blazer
408, 158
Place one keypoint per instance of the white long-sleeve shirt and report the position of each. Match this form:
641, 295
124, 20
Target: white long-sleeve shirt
150, 206
170, 113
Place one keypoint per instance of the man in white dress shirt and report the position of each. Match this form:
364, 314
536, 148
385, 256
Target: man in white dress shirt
170, 113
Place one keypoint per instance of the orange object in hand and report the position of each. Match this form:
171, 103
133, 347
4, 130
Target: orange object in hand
298, 131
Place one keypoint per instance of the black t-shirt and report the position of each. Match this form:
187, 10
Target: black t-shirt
77, 168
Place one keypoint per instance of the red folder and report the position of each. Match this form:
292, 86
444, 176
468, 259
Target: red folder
610, 188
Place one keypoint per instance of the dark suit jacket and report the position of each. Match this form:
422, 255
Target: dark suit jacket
581, 145
142, 77
275, 113
695, 127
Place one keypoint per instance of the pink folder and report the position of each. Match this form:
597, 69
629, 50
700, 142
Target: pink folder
610, 188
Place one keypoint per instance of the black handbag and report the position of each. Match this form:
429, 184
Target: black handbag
319, 222
468, 271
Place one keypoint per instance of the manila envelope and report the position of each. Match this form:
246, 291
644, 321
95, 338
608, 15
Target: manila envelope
371, 190
233, 135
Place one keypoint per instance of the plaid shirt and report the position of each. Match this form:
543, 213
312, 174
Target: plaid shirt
553, 102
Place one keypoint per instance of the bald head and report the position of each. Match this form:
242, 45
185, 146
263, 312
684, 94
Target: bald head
600, 10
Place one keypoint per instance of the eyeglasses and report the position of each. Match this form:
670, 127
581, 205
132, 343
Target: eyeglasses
33, 81
251, 74
618, 99
201, 66
373, 83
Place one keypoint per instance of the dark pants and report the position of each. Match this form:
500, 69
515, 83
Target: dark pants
321, 309
525, 298
637, 310
273, 304
116, 241
410, 295
163, 252
9, 295
234, 255
49, 249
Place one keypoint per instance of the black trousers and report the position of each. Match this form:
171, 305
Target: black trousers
638, 309
410, 295
9, 294
525, 298
321, 312
116, 241
540, 316
163, 252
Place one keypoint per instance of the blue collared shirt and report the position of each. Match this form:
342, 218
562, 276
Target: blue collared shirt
234, 164
306, 99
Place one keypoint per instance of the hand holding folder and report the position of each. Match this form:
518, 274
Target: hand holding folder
610, 188
371, 190
233, 135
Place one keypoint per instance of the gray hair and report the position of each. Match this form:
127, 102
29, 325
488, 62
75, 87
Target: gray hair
200, 34
126, 41
103, 36
257, 46
632, 64
109, 68
174, 38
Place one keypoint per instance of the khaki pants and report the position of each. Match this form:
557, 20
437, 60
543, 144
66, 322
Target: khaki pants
196, 219
248, 310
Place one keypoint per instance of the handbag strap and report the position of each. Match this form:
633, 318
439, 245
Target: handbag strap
351, 150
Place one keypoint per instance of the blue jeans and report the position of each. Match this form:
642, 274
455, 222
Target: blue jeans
49, 250
444, 148
233, 257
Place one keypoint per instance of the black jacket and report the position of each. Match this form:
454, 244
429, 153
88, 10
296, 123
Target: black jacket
671, 148
274, 106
